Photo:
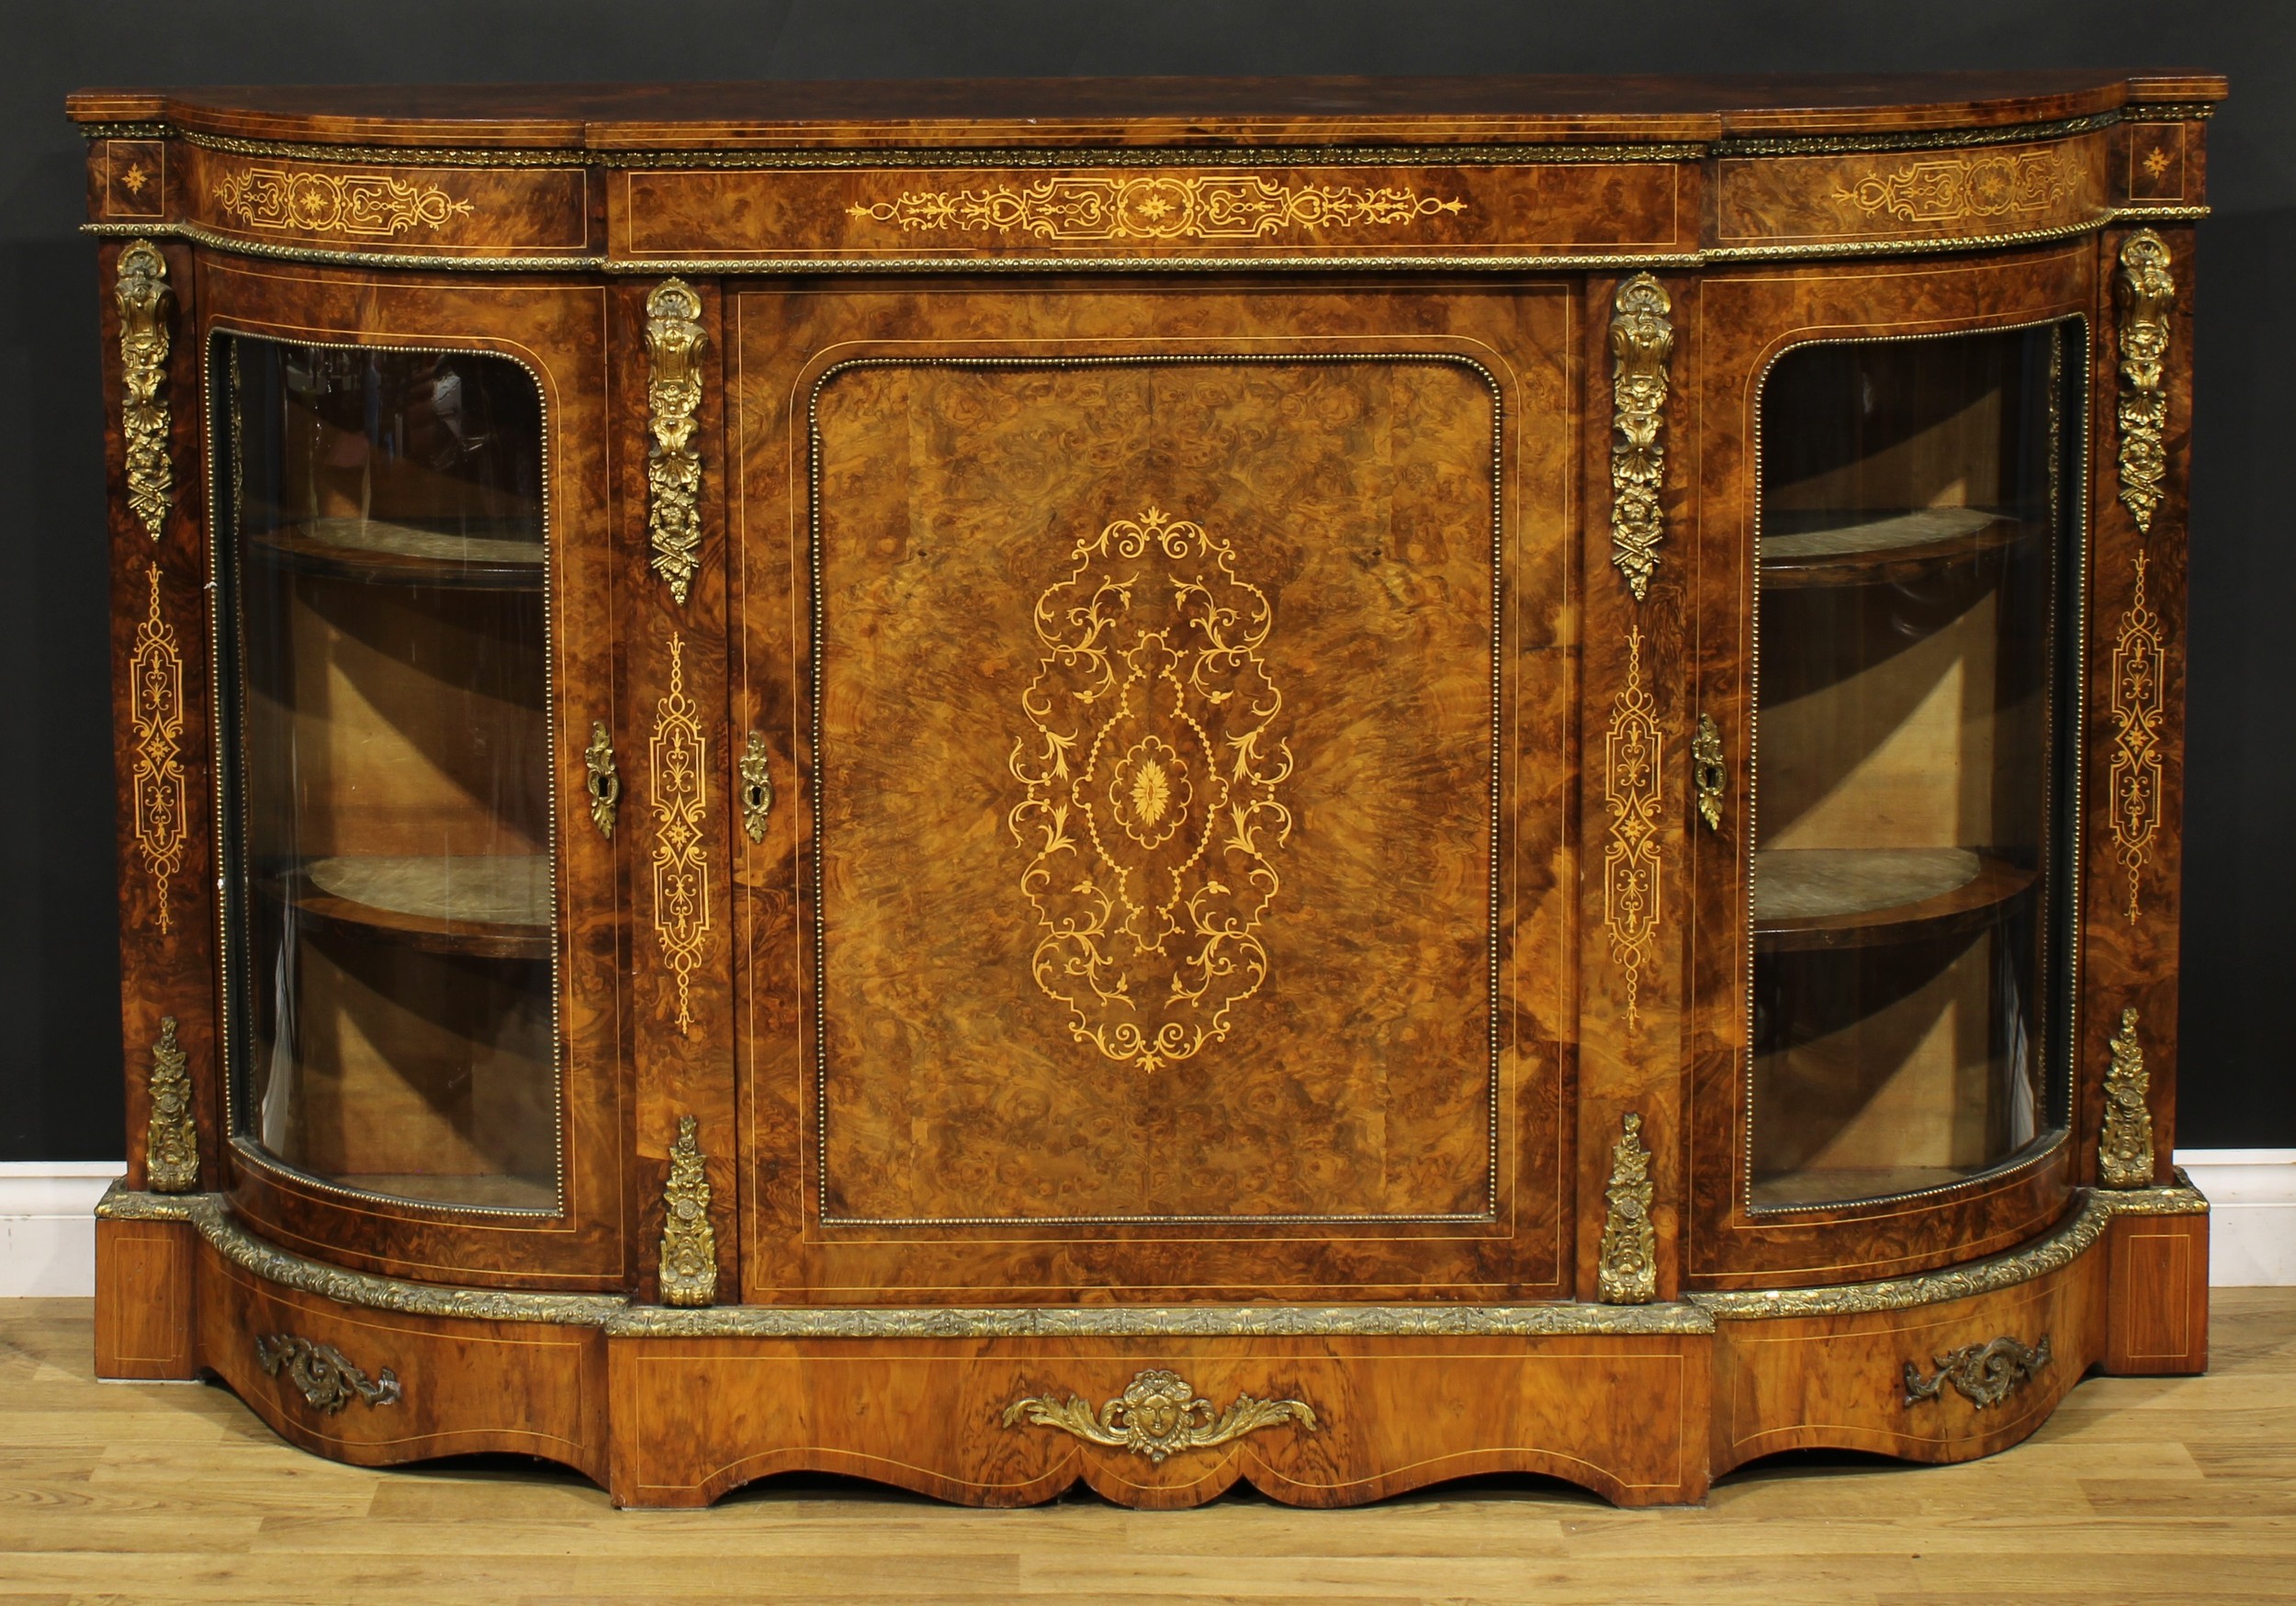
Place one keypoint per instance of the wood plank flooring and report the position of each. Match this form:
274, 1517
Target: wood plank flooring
2138, 1490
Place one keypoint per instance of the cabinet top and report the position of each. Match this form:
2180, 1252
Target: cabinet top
1142, 111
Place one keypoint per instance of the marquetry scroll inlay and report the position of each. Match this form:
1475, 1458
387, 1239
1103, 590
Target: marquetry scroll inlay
171, 1140
2144, 290
1632, 797
1984, 1374
674, 339
1159, 1414
1626, 1271
1641, 339
1953, 189
323, 1374
678, 772
1156, 207
368, 206
688, 1243
2124, 1148
2137, 710
142, 296
1152, 769
159, 794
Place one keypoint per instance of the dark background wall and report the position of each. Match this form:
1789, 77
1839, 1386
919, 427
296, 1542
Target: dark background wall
59, 1045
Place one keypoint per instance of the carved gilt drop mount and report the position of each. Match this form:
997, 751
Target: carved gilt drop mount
674, 339
1627, 1271
2124, 1149
2144, 290
1158, 1414
1641, 339
142, 295
171, 1139
688, 1243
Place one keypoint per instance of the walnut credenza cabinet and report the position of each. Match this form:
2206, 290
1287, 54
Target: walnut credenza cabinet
1335, 782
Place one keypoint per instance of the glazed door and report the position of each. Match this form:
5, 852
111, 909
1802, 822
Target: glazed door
1166, 686
401, 623
1892, 953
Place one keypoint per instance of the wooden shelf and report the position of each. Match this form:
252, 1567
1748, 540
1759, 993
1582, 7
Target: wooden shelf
380, 552
1864, 550
1810, 898
493, 906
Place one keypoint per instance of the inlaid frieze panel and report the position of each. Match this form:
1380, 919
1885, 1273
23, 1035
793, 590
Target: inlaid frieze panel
1614, 205
1967, 192
377, 207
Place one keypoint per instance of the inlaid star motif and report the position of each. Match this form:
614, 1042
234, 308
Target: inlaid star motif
135, 178
2157, 163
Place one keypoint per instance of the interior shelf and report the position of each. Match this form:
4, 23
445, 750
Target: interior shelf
380, 551
493, 905
1854, 549
1858, 897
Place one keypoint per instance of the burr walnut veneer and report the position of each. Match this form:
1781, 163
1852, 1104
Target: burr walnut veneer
1331, 781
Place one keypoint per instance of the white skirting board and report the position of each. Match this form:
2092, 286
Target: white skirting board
2252, 1214
47, 1225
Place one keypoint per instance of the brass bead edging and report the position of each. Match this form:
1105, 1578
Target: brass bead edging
620, 1318
1405, 262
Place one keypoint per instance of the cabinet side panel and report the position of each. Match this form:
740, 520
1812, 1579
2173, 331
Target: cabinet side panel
2133, 874
162, 719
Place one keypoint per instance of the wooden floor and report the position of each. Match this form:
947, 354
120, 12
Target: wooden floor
2138, 1490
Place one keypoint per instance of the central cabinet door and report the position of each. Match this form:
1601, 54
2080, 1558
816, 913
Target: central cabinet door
1167, 691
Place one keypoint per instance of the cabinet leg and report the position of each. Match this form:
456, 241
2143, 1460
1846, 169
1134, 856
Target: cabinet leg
2157, 1296
144, 1299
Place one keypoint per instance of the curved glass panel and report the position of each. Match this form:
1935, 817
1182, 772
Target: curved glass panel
1912, 792
389, 897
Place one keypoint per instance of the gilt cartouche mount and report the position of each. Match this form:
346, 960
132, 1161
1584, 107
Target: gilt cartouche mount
1152, 740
